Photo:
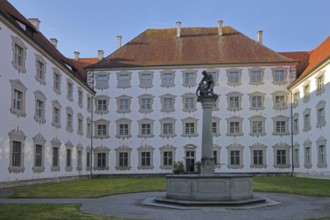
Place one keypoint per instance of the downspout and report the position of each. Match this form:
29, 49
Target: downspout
92, 123
292, 152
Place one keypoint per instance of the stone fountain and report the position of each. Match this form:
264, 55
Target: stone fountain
208, 188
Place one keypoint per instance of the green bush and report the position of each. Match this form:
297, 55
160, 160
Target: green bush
178, 168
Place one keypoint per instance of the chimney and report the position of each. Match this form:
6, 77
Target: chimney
53, 41
119, 37
220, 27
178, 29
35, 22
76, 55
100, 54
260, 36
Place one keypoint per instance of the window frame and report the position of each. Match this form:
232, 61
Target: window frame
321, 117
56, 119
234, 119
234, 105
280, 118
103, 151
280, 104
17, 87
146, 121
167, 120
16, 136
149, 97
40, 70
122, 84
171, 81
69, 119
120, 122
191, 81
234, 80
190, 121
252, 101
252, 71
56, 144
257, 118
57, 80
18, 43
119, 150
307, 119
105, 105
163, 98
102, 84
40, 111
68, 156
39, 141
146, 83
275, 71
235, 148
145, 149
258, 147
168, 158
119, 104
191, 105
102, 122
281, 147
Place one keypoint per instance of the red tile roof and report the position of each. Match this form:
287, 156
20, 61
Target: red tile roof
13, 15
302, 56
314, 59
196, 46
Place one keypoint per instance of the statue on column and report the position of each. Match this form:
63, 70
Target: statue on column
206, 85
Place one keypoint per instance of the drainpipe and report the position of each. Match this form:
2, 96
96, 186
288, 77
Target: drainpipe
292, 151
92, 124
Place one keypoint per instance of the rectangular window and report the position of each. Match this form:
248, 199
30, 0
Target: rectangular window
88, 159
38, 156
168, 158
295, 125
68, 157
234, 102
101, 130
320, 83
281, 157
214, 128
322, 156
56, 116
279, 76
306, 90
40, 70
18, 60
69, 121
233, 77
16, 154
279, 101
79, 162
257, 157
295, 98
190, 128
146, 129
39, 109
123, 129
18, 100
256, 102
168, 79
80, 97
101, 160
234, 127
168, 103
102, 105
308, 155
256, 76
123, 159
307, 121
69, 90
89, 101
80, 126
102, 81
257, 127
280, 127
146, 104
146, 79
234, 157
145, 158
57, 81
124, 80
168, 128
320, 116
55, 156
189, 79
189, 103
123, 104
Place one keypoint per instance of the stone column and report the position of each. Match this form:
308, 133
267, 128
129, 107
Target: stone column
207, 137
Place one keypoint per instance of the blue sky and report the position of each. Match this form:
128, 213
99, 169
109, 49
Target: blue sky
87, 26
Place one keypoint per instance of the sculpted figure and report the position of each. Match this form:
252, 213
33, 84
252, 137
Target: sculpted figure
206, 85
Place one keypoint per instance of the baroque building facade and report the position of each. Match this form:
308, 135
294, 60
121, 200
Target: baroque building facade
136, 112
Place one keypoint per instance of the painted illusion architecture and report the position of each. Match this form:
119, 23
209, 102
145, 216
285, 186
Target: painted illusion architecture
135, 111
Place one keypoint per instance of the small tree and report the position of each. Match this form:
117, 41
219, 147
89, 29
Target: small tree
178, 168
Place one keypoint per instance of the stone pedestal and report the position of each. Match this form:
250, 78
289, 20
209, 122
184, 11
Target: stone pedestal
207, 160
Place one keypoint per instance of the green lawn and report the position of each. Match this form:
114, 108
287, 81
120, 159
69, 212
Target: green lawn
111, 186
90, 188
45, 211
